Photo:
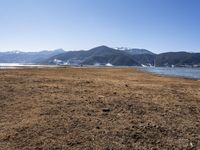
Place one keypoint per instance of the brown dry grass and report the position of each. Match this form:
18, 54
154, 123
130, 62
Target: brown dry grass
102, 108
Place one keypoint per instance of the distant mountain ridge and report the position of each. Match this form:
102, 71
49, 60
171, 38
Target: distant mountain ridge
126, 57
104, 55
100, 55
27, 57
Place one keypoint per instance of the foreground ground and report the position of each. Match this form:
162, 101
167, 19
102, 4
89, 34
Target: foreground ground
102, 108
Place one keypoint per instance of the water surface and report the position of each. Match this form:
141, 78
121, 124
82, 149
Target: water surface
180, 72
21, 66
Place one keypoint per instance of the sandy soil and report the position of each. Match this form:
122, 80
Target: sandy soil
102, 108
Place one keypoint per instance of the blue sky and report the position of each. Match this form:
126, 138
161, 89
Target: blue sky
157, 25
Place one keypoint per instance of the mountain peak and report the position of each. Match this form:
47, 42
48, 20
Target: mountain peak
59, 50
102, 47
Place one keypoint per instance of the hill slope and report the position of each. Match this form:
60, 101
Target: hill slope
177, 59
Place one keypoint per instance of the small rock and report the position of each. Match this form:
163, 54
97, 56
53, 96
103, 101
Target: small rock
191, 146
87, 82
101, 96
89, 114
106, 109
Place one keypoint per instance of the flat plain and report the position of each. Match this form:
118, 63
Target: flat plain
97, 108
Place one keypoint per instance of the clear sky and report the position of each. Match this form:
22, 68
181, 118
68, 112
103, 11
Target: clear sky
157, 25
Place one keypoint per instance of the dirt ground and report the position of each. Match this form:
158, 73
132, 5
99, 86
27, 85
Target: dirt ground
97, 108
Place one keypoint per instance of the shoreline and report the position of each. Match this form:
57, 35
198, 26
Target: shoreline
77, 66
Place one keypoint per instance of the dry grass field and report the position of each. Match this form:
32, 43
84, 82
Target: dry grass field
97, 108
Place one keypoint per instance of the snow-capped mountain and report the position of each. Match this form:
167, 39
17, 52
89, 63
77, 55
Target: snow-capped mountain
134, 51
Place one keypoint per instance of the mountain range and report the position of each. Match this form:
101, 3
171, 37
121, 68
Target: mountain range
103, 55
27, 57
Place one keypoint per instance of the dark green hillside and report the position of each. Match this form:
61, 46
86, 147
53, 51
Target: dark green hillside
177, 59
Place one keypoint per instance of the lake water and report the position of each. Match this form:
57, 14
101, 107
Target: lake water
9, 64
21, 66
180, 72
